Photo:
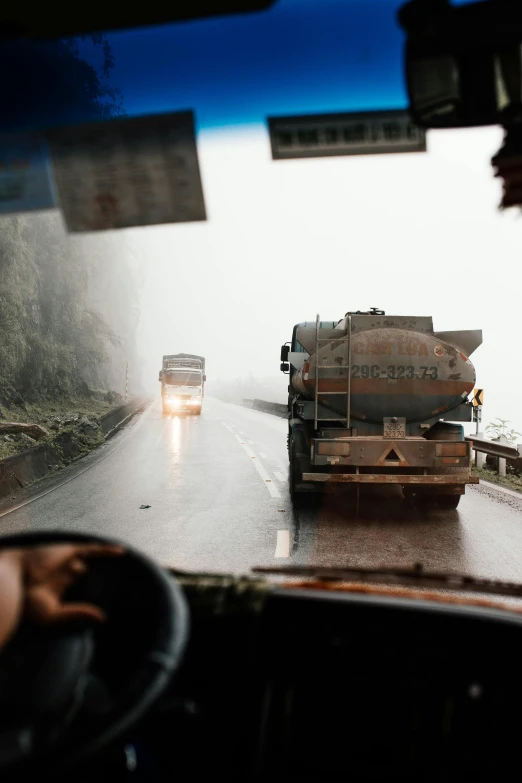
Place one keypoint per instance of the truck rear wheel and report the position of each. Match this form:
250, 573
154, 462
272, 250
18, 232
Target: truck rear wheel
448, 501
444, 500
426, 498
410, 494
300, 498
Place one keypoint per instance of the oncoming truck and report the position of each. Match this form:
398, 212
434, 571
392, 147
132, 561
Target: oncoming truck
182, 378
378, 399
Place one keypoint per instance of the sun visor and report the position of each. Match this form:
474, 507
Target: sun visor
137, 171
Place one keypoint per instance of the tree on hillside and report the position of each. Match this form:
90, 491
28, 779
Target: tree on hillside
51, 84
57, 337
19, 306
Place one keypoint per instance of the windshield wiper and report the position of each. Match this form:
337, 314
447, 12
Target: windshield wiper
405, 577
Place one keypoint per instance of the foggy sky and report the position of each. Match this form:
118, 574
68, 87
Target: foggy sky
416, 234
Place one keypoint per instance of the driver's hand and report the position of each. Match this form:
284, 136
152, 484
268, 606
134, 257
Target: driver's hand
49, 571
34, 581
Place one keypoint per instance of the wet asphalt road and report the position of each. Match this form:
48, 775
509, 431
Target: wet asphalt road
218, 495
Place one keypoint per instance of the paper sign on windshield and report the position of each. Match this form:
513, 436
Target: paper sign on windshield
25, 175
132, 172
362, 133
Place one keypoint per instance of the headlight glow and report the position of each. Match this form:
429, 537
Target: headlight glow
176, 402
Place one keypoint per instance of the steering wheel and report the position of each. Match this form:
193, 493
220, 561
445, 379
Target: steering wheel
70, 691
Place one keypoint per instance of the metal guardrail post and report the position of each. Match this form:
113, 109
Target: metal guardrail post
349, 395
480, 457
501, 460
316, 400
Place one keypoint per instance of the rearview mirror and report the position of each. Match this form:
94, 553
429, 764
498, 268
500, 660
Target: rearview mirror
463, 63
160, 376
285, 350
204, 378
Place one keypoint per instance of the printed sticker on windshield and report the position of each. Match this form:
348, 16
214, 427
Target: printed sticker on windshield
132, 172
25, 175
361, 133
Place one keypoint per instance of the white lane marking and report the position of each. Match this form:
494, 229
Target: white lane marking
252, 442
283, 544
267, 481
279, 476
272, 458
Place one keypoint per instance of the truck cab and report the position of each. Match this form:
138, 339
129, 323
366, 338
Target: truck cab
182, 380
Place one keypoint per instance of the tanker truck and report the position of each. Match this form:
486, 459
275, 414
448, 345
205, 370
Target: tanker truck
378, 399
182, 378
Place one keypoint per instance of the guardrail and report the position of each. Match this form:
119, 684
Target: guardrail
276, 408
499, 449
494, 447
112, 421
28, 466
271, 407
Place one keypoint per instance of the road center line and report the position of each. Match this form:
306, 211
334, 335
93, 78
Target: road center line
269, 455
267, 481
283, 544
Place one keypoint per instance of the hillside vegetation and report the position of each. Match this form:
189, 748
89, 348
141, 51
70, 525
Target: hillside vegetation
68, 317
68, 311
68, 304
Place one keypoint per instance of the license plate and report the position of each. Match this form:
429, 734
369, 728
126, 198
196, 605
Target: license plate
394, 429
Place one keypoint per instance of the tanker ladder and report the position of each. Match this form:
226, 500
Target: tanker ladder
346, 338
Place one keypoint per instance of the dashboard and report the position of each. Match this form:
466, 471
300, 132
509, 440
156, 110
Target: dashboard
299, 685
277, 682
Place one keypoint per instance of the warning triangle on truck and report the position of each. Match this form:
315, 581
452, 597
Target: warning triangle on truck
392, 455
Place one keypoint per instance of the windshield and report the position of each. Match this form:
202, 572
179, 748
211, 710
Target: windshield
269, 180
177, 378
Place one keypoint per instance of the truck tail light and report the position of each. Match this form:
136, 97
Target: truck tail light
333, 448
449, 449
